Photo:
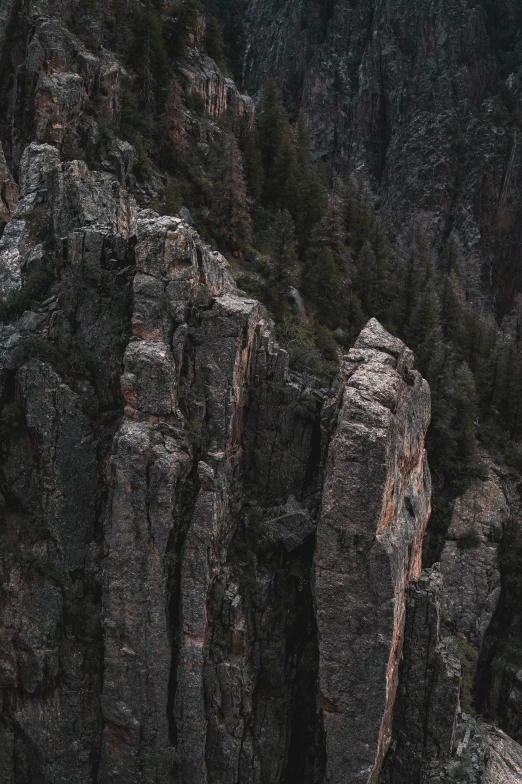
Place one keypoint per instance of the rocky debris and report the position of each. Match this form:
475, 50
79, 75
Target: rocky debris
503, 759
290, 524
469, 561
503, 700
481, 755
374, 510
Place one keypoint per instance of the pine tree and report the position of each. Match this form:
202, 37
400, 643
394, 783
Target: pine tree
451, 256
330, 232
452, 311
360, 220
311, 201
252, 163
283, 252
366, 282
350, 196
272, 130
284, 177
119, 24
326, 272
303, 146
179, 23
483, 352
229, 204
149, 58
423, 331
172, 119
452, 442
213, 42
418, 272
387, 304
325, 280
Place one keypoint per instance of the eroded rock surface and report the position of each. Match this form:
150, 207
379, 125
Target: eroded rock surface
470, 559
374, 510
427, 708
164, 472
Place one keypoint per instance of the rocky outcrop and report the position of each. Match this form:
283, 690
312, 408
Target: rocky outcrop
503, 759
434, 739
55, 80
175, 541
152, 457
163, 476
210, 562
55, 199
374, 510
470, 558
201, 75
133, 539
426, 713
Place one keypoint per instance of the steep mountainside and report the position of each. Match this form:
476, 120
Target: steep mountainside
423, 100
211, 552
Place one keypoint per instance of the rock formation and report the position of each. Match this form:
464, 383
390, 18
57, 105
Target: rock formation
217, 448
470, 558
374, 510
210, 566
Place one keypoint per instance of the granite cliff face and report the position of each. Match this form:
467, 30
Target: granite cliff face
375, 506
160, 527
161, 530
210, 564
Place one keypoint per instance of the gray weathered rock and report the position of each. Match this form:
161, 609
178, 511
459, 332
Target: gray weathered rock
427, 706
374, 510
469, 560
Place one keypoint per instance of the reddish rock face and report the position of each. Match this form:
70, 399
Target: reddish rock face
9, 193
221, 96
375, 507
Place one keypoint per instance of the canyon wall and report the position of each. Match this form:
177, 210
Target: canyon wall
421, 100
211, 562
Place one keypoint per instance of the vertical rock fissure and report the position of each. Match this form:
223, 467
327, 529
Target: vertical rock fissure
306, 750
173, 557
